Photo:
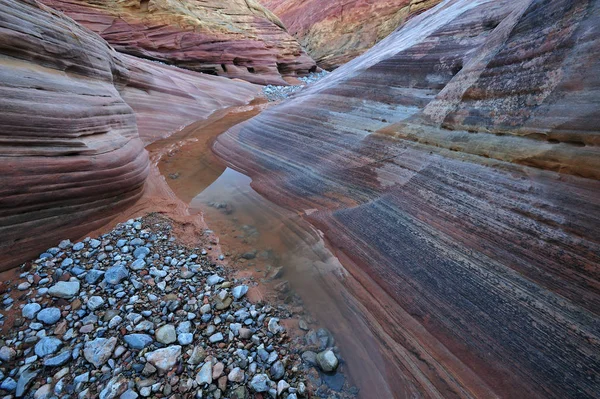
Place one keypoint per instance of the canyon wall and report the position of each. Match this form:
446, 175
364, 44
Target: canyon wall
456, 164
70, 149
334, 32
234, 38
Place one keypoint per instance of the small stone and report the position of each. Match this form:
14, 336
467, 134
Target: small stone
260, 383
327, 361
185, 338
114, 388
164, 359
141, 252
239, 291
25, 380
30, 310
58, 360
214, 279
98, 351
218, 337
273, 325
64, 289
236, 375
116, 274
8, 384
49, 316
166, 334
23, 286
47, 346
115, 321
93, 276
204, 376
7, 354
138, 341
198, 355
129, 394
277, 371
148, 370
245, 333
95, 302
217, 370
138, 264
282, 386
78, 246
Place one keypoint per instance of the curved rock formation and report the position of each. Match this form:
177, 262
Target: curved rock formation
334, 32
70, 152
457, 165
234, 38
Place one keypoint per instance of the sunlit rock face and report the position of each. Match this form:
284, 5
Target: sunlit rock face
457, 164
70, 150
234, 38
335, 31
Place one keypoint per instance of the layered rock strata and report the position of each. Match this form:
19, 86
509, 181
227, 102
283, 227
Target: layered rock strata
334, 32
70, 151
457, 165
235, 38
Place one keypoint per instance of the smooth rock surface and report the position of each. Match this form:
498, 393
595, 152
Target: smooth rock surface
77, 125
235, 38
334, 32
456, 164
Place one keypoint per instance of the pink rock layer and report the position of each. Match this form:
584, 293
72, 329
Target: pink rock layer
70, 149
456, 164
235, 38
334, 32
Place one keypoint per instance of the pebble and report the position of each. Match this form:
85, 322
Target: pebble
239, 291
327, 361
49, 316
99, 350
138, 341
95, 302
185, 328
64, 289
166, 334
47, 346
7, 354
116, 274
164, 359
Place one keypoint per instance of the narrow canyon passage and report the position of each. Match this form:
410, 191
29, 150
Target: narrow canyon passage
277, 240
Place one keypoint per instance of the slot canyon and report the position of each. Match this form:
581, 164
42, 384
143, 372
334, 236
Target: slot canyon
293, 199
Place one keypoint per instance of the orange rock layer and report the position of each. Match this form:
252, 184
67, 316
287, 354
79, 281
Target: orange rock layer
70, 149
457, 164
336, 31
234, 38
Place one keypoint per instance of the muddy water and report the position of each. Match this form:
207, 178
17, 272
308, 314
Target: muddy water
259, 237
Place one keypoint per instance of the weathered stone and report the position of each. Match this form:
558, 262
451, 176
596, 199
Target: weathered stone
98, 351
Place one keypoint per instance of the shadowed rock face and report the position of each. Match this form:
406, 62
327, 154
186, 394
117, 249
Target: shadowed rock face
70, 151
234, 38
457, 164
334, 32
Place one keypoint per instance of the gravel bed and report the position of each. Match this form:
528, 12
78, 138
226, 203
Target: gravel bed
135, 314
277, 93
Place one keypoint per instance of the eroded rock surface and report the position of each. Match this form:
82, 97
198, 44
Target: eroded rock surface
457, 165
234, 38
70, 148
334, 32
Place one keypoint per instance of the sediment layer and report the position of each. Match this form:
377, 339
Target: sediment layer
334, 32
456, 164
70, 148
235, 38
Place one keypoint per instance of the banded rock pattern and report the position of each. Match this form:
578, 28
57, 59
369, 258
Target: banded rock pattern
234, 38
334, 32
457, 165
70, 149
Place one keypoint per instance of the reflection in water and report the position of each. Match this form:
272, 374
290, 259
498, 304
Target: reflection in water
265, 237
263, 240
